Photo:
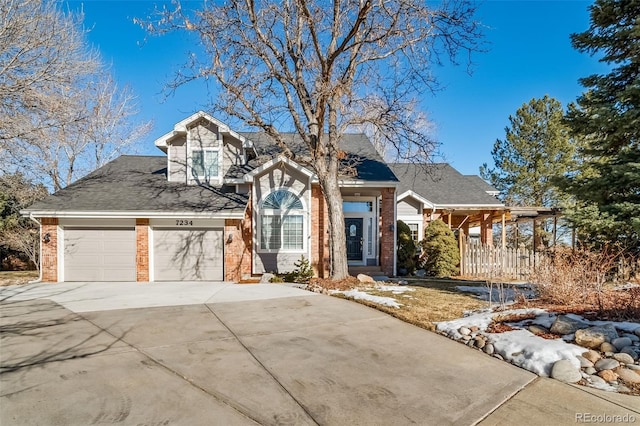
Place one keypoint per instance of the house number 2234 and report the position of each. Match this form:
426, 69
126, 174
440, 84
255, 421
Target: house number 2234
183, 222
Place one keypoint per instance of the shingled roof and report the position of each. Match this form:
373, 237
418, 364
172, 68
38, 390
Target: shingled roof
362, 161
442, 185
139, 183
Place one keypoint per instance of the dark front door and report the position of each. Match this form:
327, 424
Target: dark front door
353, 229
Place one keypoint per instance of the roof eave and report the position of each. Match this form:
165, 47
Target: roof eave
133, 214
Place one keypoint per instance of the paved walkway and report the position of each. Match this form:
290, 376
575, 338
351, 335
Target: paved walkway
200, 354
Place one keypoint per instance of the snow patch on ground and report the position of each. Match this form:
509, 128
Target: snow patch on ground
395, 289
532, 352
480, 320
361, 295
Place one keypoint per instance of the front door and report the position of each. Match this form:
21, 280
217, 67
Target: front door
353, 230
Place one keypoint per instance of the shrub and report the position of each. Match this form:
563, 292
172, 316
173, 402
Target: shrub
568, 276
406, 258
441, 252
302, 273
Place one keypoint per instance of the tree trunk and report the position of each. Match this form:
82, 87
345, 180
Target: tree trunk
337, 238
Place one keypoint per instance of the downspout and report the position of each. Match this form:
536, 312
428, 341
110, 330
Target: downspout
39, 248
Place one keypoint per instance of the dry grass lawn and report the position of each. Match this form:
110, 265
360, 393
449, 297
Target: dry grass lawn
17, 277
431, 301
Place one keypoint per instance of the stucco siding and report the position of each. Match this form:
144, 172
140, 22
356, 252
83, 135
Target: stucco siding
280, 177
276, 262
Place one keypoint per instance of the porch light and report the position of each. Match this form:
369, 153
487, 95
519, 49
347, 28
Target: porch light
391, 228
230, 239
47, 237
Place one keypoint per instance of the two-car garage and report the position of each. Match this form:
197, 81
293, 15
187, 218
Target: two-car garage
108, 253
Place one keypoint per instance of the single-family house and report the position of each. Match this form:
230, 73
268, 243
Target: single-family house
217, 205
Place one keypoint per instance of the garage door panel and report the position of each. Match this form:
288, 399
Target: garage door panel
188, 255
92, 254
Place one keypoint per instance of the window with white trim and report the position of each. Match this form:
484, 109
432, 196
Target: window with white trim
415, 233
205, 163
281, 222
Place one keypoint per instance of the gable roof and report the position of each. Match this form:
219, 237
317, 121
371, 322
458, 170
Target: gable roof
483, 184
134, 183
442, 185
362, 161
180, 128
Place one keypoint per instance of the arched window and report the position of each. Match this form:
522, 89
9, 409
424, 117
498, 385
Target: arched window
281, 221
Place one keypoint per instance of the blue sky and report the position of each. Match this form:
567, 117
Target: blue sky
529, 54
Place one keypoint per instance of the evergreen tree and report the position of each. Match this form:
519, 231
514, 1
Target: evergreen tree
406, 258
441, 250
537, 148
607, 118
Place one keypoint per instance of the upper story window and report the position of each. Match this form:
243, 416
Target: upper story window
281, 222
205, 163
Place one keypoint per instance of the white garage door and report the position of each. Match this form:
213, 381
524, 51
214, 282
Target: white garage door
188, 255
107, 254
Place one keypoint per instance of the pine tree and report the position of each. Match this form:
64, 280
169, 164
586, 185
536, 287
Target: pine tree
537, 148
607, 118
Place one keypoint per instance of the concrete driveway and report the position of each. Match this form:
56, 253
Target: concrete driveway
240, 354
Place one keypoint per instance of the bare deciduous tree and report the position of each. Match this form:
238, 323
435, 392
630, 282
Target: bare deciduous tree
62, 114
317, 67
18, 234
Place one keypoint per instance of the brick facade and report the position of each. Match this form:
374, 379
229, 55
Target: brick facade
49, 259
238, 244
319, 233
142, 250
387, 240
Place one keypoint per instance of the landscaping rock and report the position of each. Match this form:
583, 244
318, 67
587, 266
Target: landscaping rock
592, 356
631, 351
538, 329
480, 343
637, 331
621, 342
474, 328
606, 364
420, 273
608, 375
466, 337
590, 371
365, 279
591, 337
498, 356
607, 347
566, 325
464, 331
628, 375
624, 358
489, 349
634, 367
633, 337
610, 331
565, 371
597, 380
584, 363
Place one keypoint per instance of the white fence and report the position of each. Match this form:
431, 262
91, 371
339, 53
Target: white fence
484, 261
